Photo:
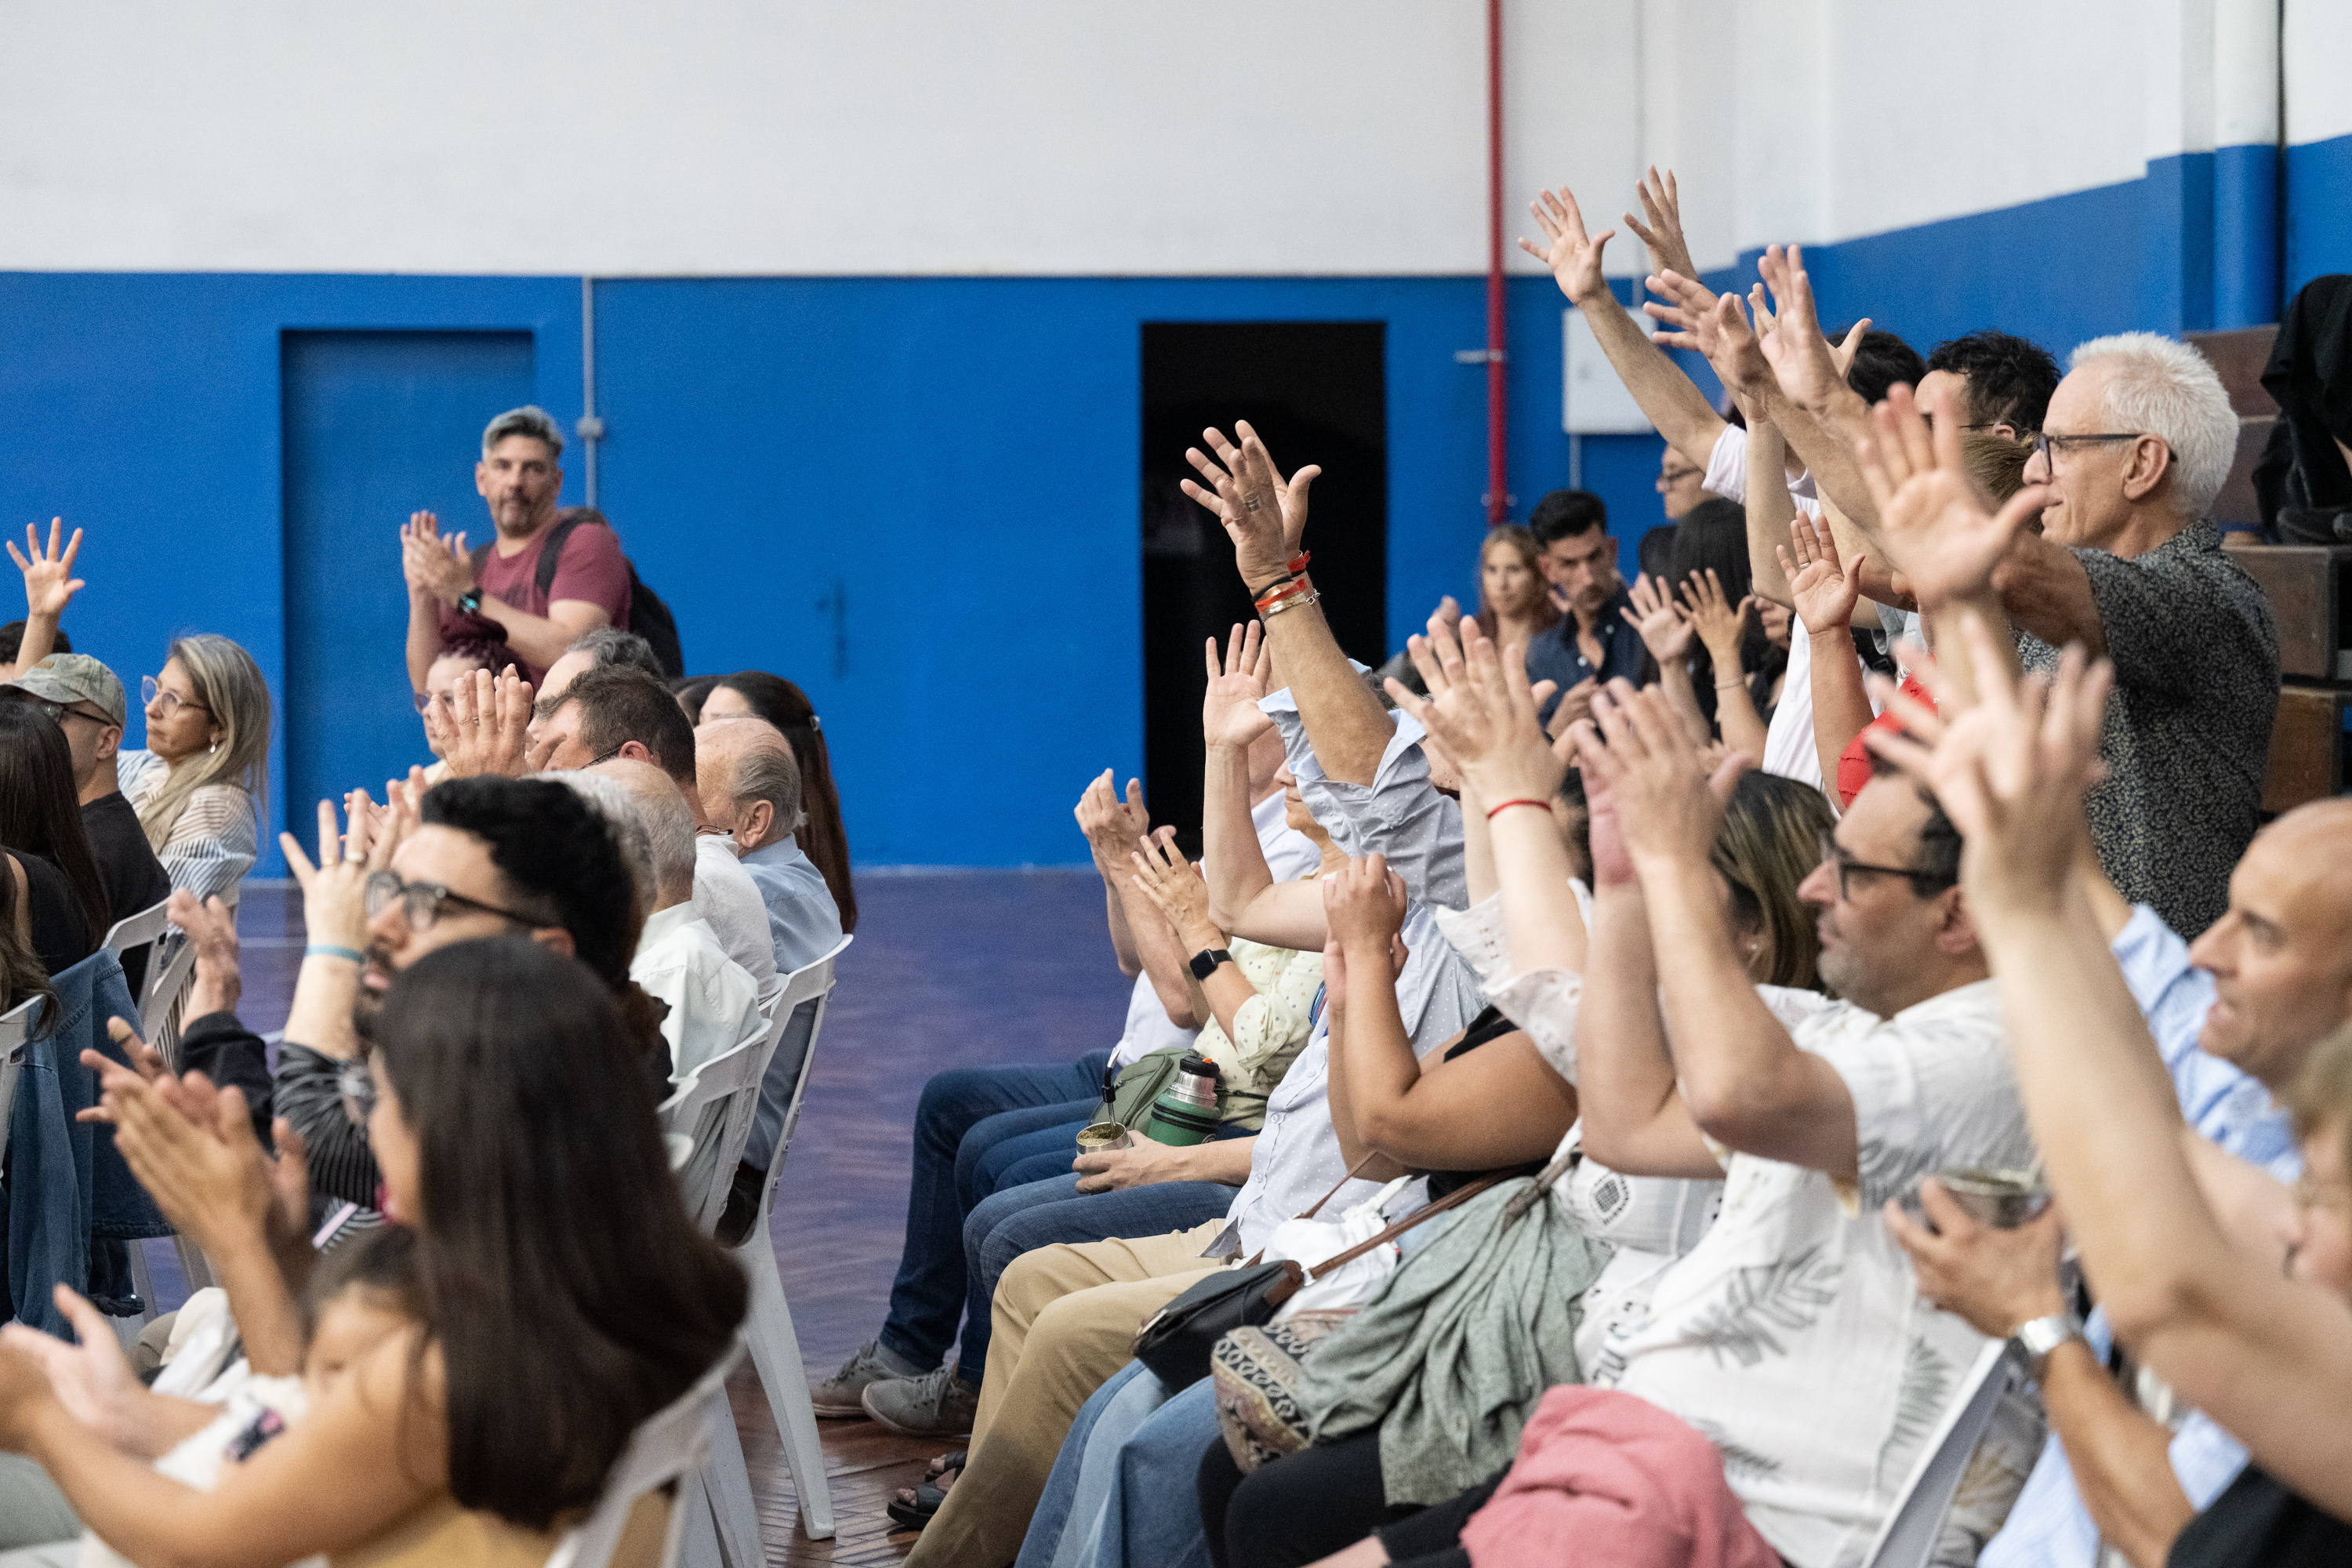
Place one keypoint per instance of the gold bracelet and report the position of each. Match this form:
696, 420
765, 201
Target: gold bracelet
1292, 603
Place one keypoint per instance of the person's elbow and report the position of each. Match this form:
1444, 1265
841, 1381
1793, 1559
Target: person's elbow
2153, 1301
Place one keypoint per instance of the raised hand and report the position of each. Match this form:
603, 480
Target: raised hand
1575, 703
1664, 631
1364, 904
2010, 772
1229, 710
1665, 804
1113, 828
1264, 513
1574, 257
1662, 201
1938, 531
1825, 589
50, 581
1481, 711
1809, 375
486, 729
334, 891
1163, 874
1718, 622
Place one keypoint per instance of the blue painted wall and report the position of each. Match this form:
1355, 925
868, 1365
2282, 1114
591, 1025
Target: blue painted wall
917, 497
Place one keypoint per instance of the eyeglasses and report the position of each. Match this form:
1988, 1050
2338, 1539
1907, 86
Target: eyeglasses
1923, 882
1669, 477
422, 902
58, 712
2047, 446
425, 700
154, 693
357, 1084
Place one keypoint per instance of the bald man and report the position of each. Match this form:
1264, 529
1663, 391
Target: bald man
714, 1004
750, 786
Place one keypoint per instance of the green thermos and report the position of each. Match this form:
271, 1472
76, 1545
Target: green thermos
1186, 1111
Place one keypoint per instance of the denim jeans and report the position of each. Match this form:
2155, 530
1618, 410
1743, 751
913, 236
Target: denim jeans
1150, 1516
1020, 1219
1066, 1517
1043, 1141
929, 1289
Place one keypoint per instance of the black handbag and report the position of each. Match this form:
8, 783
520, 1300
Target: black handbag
1174, 1343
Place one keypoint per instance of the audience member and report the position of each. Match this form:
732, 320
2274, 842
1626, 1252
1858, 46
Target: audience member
89, 704
199, 783
714, 1005
1732, 666
494, 594
603, 648
690, 690
2000, 383
1591, 643
452, 665
41, 827
756, 799
822, 837
1515, 603
561, 1289
49, 588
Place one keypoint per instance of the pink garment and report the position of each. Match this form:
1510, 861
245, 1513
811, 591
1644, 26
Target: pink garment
1605, 1478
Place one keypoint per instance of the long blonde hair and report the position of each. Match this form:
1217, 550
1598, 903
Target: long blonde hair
229, 684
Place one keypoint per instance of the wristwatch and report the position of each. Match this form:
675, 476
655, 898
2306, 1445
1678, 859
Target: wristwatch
2039, 1338
470, 601
1205, 962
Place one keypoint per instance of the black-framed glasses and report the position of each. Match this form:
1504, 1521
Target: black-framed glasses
2047, 446
59, 712
424, 699
422, 902
151, 690
1669, 477
1923, 882
357, 1084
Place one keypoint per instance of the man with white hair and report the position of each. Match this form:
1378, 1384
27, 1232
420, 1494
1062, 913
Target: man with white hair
2136, 443
713, 1005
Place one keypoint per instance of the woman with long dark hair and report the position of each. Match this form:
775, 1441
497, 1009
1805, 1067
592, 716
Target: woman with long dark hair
565, 1297
756, 694
40, 823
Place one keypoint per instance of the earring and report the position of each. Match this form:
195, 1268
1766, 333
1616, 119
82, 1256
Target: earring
212, 749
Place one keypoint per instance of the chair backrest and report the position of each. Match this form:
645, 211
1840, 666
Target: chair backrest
15, 1027
801, 1010
1907, 1538
713, 1108
137, 931
668, 1446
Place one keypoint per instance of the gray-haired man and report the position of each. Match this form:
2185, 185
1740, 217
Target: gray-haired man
450, 599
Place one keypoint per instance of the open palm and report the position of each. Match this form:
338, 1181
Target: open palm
1665, 631
1574, 257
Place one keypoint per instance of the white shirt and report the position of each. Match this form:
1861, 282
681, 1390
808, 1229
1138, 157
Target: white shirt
1840, 1370
725, 895
216, 837
713, 1005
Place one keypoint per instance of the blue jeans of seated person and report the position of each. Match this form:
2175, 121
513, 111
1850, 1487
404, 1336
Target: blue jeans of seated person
1072, 1503
1123, 1494
1014, 1148
1022, 1219
929, 1292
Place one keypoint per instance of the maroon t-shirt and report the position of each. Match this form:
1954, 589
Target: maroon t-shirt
592, 569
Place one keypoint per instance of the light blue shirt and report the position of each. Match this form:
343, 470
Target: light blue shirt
2049, 1526
803, 920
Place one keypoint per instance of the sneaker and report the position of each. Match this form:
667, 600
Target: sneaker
742, 1207
838, 1394
936, 1405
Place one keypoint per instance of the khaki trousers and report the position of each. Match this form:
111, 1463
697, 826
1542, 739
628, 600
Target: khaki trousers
1065, 1319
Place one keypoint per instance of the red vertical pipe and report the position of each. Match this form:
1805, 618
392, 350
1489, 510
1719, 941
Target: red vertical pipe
1497, 464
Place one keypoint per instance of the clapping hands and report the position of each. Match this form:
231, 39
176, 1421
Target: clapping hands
1173, 884
432, 562
1113, 826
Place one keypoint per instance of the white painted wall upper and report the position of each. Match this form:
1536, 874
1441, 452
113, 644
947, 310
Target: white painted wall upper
1080, 137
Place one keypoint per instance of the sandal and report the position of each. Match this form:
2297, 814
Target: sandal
912, 1509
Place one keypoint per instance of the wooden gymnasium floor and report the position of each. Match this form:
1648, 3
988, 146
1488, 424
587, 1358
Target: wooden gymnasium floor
949, 969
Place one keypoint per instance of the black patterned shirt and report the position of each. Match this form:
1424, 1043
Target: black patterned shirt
2188, 730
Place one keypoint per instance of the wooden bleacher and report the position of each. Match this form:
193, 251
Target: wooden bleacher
2310, 587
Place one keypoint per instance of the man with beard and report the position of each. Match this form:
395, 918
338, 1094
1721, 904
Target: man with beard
455, 595
479, 858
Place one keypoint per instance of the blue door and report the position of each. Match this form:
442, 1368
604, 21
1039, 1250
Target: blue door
377, 424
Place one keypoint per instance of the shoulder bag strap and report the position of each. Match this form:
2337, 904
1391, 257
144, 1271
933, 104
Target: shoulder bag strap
551, 552
1369, 1155
1458, 1196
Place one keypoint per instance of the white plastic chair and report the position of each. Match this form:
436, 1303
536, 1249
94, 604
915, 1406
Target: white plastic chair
1907, 1538
713, 1109
775, 1349
688, 1443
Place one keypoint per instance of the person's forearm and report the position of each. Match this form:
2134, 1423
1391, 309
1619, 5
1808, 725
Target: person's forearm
424, 635
324, 990
218, 987
258, 1300
1625, 1076
39, 641
2121, 1457
1771, 510
1675, 677
1227, 990
1666, 397
539, 640
1232, 861
1823, 440
117, 1494
1841, 703
1479, 877
1345, 723
1165, 960
2046, 589
1122, 935
1381, 1069
1940, 626
1225, 1161
1741, 1075
1540, 918
1735, 710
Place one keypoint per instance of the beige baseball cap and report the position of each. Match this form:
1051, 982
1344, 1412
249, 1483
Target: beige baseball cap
76, 678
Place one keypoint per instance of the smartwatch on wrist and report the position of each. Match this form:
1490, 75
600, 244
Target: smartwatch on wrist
2039, 1338
1205, 962
470, 601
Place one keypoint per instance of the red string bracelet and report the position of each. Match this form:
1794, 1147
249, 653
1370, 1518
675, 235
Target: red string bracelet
1508, 804
1275, 596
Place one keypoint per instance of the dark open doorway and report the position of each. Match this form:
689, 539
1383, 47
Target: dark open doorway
1316, 393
